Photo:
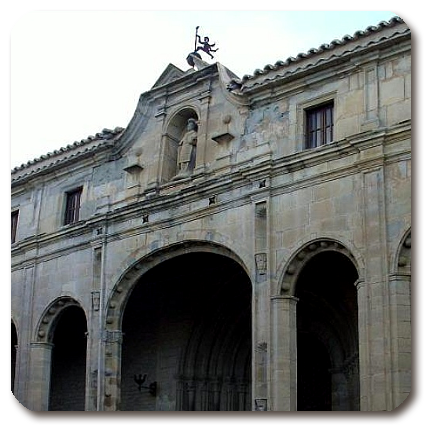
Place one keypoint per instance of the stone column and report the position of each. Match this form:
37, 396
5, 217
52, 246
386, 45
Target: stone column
283, 354
400, 307
373, 299
364, 345
39, 383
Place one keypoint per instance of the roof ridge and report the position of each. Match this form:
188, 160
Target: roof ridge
105, 135
323, 47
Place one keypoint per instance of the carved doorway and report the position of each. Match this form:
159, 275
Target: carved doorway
327, 334
187, 326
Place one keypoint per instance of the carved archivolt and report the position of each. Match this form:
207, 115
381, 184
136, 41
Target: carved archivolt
294, 267
50, 318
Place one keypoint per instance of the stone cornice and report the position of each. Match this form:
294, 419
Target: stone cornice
244, 181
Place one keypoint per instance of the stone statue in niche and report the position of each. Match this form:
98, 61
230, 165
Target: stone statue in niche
187, 149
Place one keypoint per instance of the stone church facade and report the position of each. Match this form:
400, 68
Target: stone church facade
243, 244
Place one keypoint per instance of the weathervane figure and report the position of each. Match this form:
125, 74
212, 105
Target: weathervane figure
205, 45
201, 44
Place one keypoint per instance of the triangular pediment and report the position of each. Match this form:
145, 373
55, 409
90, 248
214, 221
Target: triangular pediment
171, 73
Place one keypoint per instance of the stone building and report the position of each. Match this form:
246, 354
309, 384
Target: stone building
243, 244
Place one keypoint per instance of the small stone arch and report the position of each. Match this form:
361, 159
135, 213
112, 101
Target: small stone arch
122, 290
174, 131
303, 255
50, 317
403, 258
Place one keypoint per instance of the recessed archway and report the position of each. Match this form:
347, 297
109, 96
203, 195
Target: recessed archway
187, 326
64, 327
327, 334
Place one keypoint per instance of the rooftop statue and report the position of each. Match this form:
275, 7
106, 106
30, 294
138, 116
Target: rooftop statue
203, 45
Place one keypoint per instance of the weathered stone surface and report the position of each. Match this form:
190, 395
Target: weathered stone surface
262, 209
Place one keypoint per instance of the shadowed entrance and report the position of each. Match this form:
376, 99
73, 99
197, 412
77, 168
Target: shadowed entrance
68, 377
327, 334
187, 326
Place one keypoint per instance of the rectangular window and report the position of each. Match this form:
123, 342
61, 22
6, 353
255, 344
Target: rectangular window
72, 207
14, 223
319, 125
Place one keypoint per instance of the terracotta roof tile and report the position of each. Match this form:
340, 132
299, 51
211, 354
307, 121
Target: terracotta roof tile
251, 80
79, 147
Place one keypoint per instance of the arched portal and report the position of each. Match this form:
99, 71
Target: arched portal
14, 344
327, 334
187, 326
68, 363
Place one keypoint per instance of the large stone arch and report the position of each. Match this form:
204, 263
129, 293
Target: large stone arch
129, 278
293, 267
119, 299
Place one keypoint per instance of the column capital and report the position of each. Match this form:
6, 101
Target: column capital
44, 345
359, 284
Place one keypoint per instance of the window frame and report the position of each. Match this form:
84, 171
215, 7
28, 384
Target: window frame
72, 206
319, 123
14, 225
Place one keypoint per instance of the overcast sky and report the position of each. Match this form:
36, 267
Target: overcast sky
74, 73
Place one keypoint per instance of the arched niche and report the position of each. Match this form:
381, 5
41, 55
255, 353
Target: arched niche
175, 130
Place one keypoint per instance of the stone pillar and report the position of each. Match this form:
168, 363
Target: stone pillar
364, 345
202, 139
113, 340
373, 299
283, 354
39, 383
92, 361
261, 304
400, 307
